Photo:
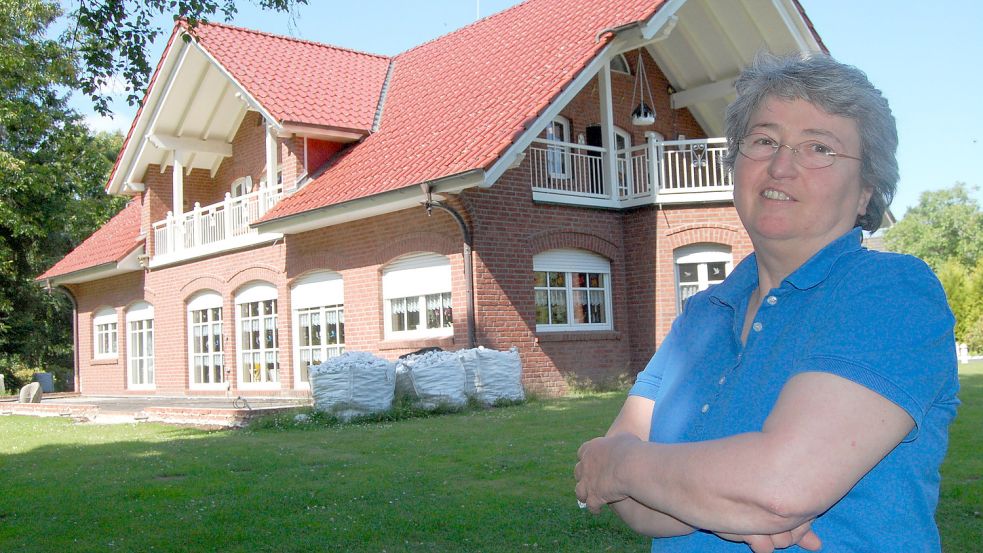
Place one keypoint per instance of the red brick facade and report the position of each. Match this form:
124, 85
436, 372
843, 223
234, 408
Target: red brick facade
508, 229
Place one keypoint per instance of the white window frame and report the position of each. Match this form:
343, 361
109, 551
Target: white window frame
140, 347
256, 295
241, 186
418, 275
558, 156
623, 159
620, 58
205, 303
279, 177
572, 261
105, 334
700, 255
320, 295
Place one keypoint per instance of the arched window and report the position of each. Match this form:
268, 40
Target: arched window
573, 290
140, 346
104, 334
619, 64
205, 342
697, 267
318, 301
416, 289
258, 337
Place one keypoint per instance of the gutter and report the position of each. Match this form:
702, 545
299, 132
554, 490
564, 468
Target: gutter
75, 330
467, 254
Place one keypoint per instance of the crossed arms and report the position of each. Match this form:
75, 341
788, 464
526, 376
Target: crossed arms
824, 434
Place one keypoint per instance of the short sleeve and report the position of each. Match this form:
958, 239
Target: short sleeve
887, 327
648, 383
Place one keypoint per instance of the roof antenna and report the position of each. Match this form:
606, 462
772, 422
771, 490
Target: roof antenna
477, 10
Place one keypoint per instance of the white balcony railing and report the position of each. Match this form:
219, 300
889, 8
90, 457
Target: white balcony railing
213, 227
675, 171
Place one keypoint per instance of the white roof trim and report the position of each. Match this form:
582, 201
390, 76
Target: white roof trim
370, 206
128, 264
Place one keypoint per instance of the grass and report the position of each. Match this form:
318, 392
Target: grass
480, 480
483, 480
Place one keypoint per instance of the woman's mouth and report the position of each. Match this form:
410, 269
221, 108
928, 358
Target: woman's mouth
773, 194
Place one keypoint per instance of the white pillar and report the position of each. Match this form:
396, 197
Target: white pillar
178, 183
271, 156
609, 162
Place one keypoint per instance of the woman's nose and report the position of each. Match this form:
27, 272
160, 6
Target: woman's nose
783, 163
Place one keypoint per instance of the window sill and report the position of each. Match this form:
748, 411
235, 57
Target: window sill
443, 342
577, 335
105, 361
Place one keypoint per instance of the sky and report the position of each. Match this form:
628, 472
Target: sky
925, 57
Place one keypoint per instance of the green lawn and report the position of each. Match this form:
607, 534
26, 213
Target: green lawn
495, 480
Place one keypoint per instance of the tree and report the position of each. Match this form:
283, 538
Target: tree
946, 230
112, 37
52, 172
945, 224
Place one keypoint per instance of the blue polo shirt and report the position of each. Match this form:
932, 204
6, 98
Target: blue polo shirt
878, 319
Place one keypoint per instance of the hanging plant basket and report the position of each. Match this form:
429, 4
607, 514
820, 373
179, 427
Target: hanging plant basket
644, 114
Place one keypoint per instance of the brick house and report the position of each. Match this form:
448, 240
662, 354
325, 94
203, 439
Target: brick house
292, 200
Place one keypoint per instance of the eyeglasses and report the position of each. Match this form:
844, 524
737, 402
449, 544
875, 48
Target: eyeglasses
810, 154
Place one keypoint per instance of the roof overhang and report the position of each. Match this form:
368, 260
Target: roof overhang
700, 45
711, 42
128, 264
371, 206
193, 107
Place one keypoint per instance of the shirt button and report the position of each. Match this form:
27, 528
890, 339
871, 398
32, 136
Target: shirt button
705, 408
757, 327
722, 380
772, 300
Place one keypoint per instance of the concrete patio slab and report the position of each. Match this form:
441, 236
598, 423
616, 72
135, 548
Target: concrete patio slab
197, 411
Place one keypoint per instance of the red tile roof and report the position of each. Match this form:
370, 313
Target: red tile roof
110, 244
454, 104
299, 81
457, 103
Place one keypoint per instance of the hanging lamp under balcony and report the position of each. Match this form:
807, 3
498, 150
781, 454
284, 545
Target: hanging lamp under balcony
644, 113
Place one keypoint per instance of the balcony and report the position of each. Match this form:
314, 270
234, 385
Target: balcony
657, 172
221, 226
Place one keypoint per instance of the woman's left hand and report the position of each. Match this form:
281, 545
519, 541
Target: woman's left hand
597, 470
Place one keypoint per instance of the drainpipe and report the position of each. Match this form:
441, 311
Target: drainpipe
75, 332
430, 204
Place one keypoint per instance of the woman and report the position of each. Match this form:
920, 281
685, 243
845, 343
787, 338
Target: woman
805, 401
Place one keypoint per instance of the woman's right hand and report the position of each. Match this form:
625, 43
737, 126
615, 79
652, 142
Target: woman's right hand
803, 536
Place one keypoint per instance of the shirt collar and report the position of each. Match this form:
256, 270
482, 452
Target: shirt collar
818, 267
744, 278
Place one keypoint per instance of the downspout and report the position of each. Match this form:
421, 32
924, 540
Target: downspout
430, 204
75, 332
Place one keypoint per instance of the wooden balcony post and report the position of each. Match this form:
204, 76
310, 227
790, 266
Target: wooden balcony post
196, 238
654, 163
229, 216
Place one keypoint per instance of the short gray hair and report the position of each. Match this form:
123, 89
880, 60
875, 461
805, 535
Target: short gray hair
837, 89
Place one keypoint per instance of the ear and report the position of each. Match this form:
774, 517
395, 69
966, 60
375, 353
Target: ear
865, 193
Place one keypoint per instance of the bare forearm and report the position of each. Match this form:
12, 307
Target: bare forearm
727, 485
647, 522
